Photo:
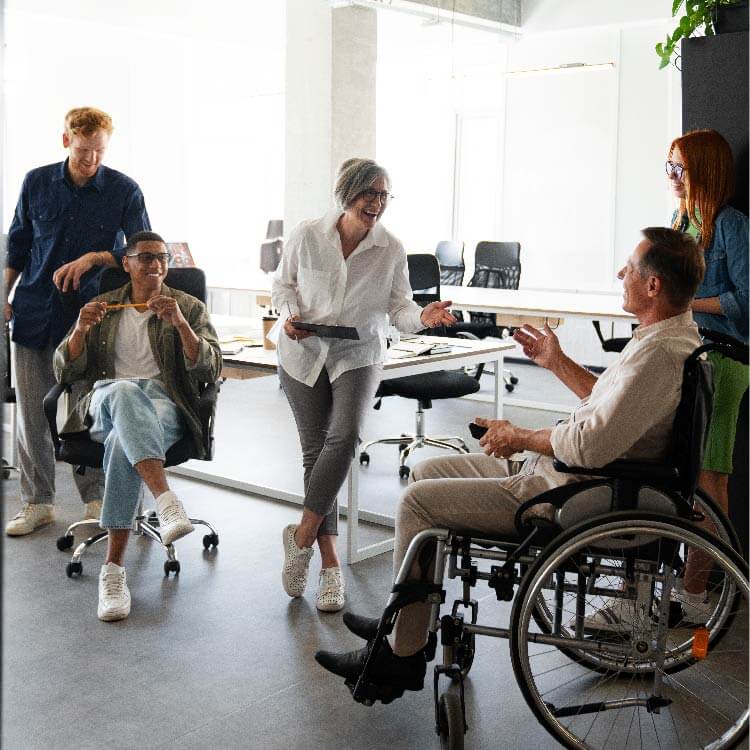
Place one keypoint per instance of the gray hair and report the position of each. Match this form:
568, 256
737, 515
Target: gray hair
355, 176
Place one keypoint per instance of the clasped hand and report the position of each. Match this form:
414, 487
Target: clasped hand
166, 308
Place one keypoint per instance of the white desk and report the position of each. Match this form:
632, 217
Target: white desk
464, 354
539, 304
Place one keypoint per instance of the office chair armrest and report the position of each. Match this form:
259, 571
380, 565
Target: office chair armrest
625, 469
50, 412
207, 401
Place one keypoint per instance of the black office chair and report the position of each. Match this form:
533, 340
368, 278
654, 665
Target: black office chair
424, 277
611, 344
272, 247
83, 452
450, 256
497, 265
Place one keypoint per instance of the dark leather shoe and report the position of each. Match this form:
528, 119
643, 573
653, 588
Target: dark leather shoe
363, 627
403, 672
367, 628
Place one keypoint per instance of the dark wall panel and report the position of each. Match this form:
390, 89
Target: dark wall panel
714, 95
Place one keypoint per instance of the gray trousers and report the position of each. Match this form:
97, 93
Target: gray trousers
34, 377
464, 491
329, 419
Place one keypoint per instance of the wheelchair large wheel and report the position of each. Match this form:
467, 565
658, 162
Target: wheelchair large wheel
723, 529
662, 685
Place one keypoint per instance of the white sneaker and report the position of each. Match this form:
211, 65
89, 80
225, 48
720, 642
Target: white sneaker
696, 608
617, 616
93, 510
114, 596
173, 521
30, 517
296, 562
330, 590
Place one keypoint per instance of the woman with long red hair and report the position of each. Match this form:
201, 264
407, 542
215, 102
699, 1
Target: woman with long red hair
700, 168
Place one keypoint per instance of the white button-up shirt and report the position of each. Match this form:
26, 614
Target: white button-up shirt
364, 291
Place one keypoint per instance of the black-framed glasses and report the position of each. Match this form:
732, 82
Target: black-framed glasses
674, 169
382, 195
146, 259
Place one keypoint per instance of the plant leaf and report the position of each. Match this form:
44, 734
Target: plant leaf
676, 6
664, 62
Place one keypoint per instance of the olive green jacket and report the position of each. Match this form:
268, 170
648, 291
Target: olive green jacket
180, 376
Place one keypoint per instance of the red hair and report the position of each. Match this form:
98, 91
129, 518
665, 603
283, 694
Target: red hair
708, 178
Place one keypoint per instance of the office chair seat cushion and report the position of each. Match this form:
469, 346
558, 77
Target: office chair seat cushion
433, 385
82, 451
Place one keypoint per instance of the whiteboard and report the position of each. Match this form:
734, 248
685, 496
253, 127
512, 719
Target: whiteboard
559, 176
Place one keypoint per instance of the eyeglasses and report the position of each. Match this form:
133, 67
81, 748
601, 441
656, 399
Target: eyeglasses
371, 195
674, 169
146, 259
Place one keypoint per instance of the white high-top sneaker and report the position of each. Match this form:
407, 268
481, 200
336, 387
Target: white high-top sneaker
114, 595
30, 517
173, 521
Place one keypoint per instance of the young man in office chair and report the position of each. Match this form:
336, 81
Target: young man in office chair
626, 413
143, 350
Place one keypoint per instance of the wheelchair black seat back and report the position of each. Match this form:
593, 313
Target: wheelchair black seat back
603, 648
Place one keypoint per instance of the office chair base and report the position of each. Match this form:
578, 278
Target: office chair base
144, 525
408, 443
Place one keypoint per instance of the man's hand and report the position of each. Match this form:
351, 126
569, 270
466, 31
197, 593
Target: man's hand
295, 333
7, 311
437, 314
68, 277
501, 438
91, 315
167, 309
541, 347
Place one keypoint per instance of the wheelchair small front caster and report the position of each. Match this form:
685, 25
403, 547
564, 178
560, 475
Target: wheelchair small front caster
403, 472
210, 540
64, 542
171, 566
514, 380
509, 387
451, 726
73, 569
364, 459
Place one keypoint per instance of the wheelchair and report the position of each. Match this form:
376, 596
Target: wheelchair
656, 679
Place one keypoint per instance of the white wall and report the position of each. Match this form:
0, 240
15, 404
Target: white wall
196, 92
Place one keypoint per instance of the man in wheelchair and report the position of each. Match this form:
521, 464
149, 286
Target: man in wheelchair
142, 350
627, 412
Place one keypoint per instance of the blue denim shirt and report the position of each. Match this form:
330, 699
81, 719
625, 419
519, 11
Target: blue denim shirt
727, 275
56, 222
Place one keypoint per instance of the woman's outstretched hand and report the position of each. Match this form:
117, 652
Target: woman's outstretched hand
437, 314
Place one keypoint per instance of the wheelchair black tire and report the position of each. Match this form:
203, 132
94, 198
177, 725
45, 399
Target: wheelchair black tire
575, 540
450, 722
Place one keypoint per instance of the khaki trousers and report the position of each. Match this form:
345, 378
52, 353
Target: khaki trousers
455, 491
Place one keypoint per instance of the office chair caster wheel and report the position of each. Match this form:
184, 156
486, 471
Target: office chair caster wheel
364, 459
509, 387
403, 472
210, 540
73, 569
450, 722
171, 566
514, 380
64, 542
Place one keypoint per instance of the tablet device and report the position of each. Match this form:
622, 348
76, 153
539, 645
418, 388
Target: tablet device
327, 332
477, 431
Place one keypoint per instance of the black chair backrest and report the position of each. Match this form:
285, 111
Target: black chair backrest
450, 256
189, 280
270, 255
424, 277
691, 421
497, 265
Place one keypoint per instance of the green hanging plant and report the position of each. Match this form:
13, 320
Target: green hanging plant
697, 14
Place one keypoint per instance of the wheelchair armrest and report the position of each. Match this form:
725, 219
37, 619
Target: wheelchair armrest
206, 412
625, 469
49, 405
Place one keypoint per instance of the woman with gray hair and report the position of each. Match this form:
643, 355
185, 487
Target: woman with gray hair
342, 269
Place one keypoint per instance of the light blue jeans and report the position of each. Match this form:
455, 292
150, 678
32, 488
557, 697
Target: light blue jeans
136, 420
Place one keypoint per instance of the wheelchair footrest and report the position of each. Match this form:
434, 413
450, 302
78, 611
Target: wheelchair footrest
368, 693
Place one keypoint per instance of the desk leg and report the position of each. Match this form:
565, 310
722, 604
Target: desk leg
499, 387
355, 553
